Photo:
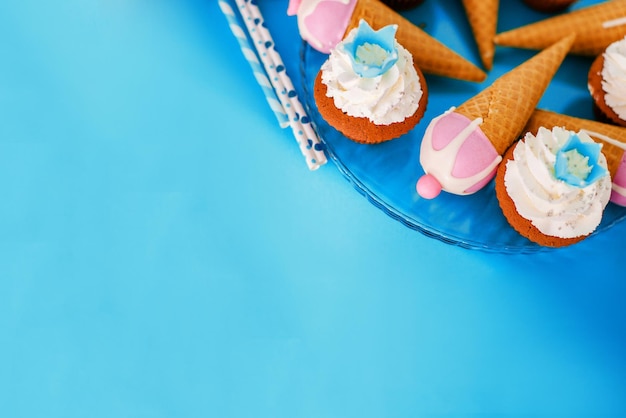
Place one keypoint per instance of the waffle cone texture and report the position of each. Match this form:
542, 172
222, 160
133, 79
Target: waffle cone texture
429, 54
507, 104
483, 19
592, 36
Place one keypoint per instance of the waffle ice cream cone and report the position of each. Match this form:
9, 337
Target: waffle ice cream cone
483, 19
506, 105
430, 55
598, 131
595, 27
462, 148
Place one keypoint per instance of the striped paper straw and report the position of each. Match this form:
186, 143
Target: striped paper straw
257, 69
309, 142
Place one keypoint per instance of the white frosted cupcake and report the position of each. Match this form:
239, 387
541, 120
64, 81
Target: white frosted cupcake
369, 88
553, 186
607, 83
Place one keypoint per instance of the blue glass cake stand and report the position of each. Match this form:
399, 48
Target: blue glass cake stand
386, 173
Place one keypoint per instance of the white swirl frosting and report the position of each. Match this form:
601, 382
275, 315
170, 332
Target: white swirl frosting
553, 206
614, 77
385, 99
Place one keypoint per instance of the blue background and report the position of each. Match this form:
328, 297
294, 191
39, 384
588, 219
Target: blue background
165, 251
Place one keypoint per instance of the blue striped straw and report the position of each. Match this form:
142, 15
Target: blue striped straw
310, 144
257, 69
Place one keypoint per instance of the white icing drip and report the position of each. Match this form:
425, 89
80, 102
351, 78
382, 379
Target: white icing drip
605, 138
619, 189
440, 163
614, 22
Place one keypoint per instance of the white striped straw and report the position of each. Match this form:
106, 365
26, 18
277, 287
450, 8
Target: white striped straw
310, 144
257, 69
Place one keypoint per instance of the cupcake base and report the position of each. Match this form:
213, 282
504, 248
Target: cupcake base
602, 111
362, 130
522, 225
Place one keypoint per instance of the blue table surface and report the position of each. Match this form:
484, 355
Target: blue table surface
165, 251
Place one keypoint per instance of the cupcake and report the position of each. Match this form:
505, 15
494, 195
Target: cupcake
606, 84
368, 88
549, 6
553, 186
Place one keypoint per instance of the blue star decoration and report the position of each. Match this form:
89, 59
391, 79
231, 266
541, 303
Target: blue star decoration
372, 52
577, 162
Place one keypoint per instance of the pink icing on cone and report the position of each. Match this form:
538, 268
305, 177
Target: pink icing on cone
322, 23
456, 156
292, 9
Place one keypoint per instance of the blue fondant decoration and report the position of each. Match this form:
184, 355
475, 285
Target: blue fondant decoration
366, 38
591, 150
